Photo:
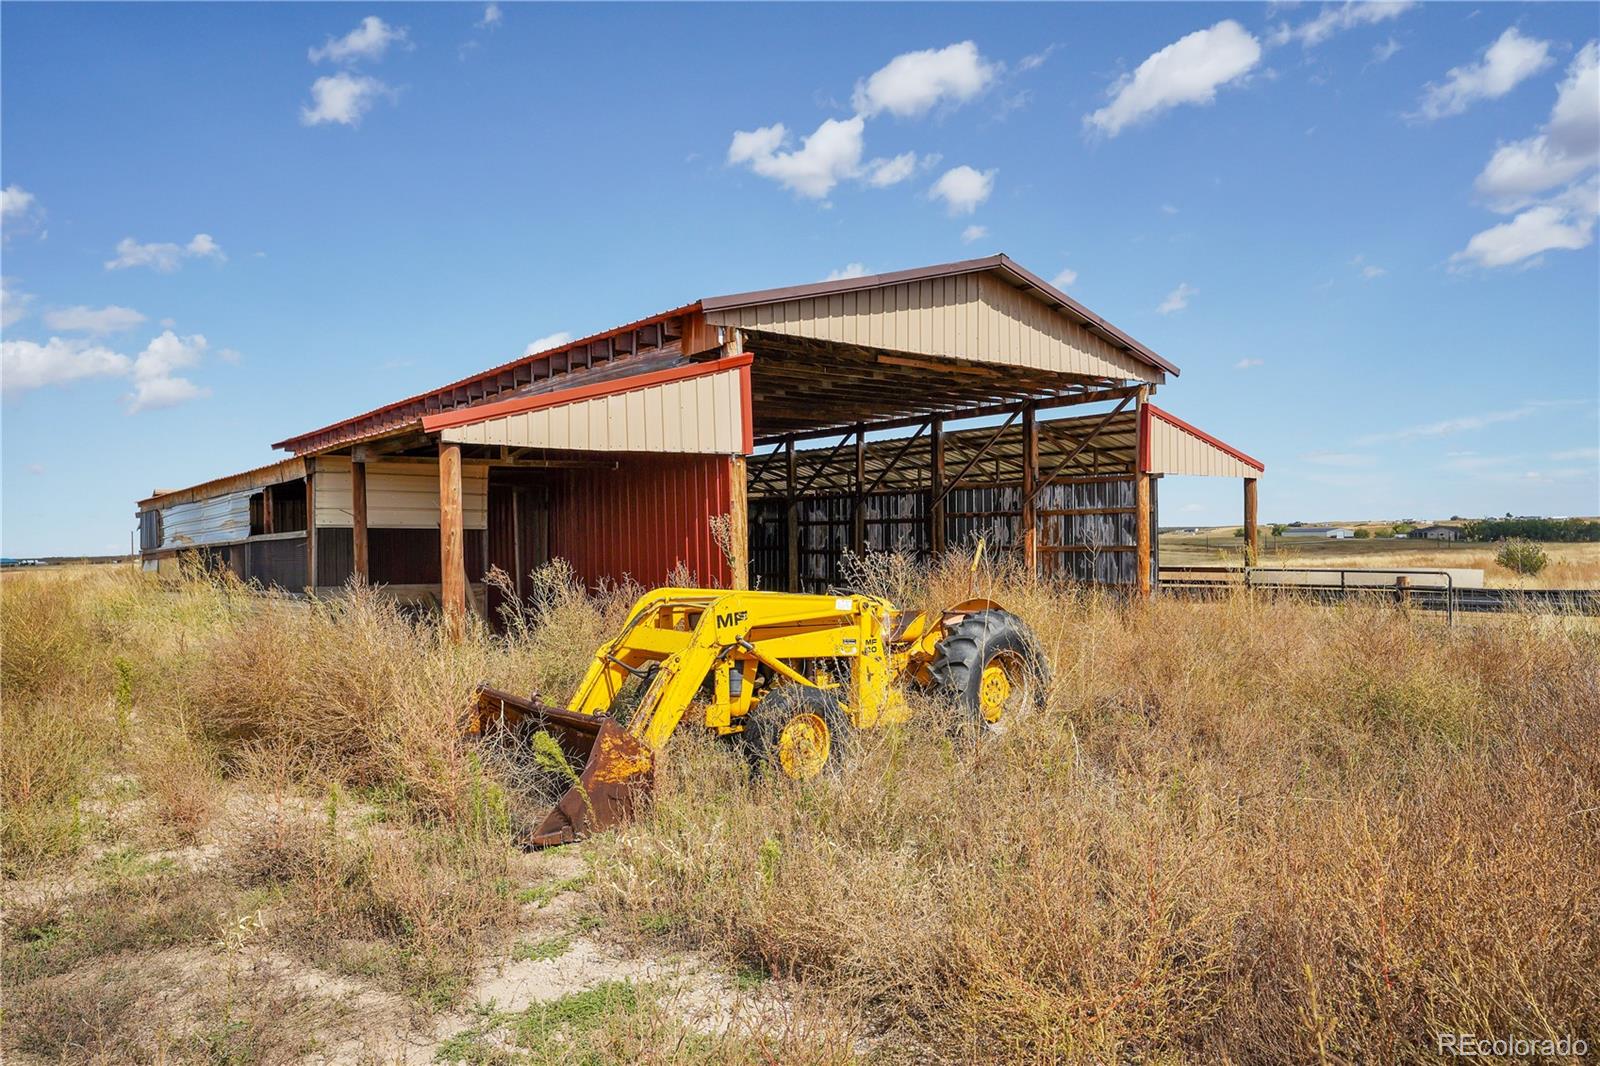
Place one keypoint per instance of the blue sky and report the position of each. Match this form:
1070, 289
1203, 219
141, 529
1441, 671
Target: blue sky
1365, 233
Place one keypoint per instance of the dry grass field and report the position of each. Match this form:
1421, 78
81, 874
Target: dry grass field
245, 829
1572, 566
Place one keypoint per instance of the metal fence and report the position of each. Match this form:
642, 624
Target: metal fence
1335, 585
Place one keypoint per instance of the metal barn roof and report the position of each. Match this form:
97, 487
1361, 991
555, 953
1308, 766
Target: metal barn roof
828, 354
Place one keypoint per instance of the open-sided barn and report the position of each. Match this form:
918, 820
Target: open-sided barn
812, 421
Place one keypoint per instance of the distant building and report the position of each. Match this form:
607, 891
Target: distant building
1319, 532
1437, 533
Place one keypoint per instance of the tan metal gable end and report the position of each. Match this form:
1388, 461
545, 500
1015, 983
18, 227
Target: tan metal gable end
977, 317
702, 409
1173, 446
987, 310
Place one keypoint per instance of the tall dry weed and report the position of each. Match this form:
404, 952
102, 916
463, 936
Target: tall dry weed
1256, 830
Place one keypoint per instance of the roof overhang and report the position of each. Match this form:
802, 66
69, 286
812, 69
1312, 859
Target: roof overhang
699, 408
258, 477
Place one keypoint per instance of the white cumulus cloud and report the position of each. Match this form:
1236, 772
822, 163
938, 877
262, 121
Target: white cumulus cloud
164, 256
1567, 146
1188, 71
155, 383
545, 343
16, 201
829, 155
882, 173
1507, 63
1546, 228
1067, 277
849, 270
974, 233
368, 41
1336, 18
26, 365
912, 84
492, 17
963, 188
14, 303
19, 211
1247, 364
1178, 298
95, 320
1520, 177
342, 98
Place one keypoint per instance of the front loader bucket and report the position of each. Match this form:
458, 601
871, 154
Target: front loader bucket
616, 768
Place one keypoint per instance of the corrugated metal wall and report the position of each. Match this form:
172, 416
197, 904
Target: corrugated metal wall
703, 414
643, 519
1086, 530
895, 521
991, 512
970, 316
214, 521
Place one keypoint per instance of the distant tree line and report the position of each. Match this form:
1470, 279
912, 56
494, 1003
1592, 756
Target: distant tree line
1539, 529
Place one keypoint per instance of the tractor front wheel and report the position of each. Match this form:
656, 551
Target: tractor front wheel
991, 664
796, 731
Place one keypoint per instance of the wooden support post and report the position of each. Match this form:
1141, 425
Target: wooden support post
936, 493
791, 520
452, 542
858, 515
358, 514
1141, 503
1252, 534
738, 523
1141, 486
1030, 477
311, 526
266, 509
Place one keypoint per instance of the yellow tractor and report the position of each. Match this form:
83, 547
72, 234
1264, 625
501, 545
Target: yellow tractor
788, 676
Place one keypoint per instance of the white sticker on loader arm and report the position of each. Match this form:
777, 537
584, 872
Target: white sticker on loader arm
841, 605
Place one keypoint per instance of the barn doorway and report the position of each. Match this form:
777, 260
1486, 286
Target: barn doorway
519, 531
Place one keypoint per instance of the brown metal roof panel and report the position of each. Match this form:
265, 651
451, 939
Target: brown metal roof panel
843, 285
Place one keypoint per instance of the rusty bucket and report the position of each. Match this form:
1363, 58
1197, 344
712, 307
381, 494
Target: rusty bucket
611, 770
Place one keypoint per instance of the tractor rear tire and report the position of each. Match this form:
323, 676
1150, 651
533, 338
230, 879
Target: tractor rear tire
796, 731
992, 664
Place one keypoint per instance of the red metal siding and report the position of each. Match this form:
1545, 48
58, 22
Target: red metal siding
642, 519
